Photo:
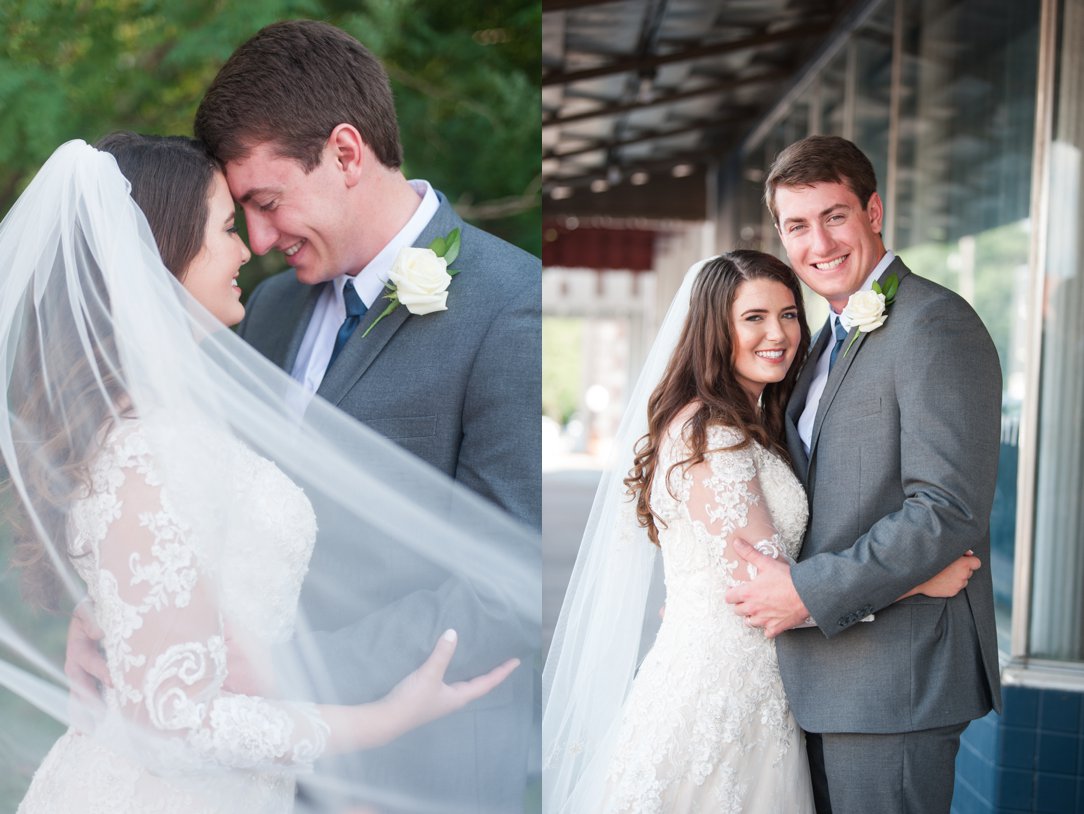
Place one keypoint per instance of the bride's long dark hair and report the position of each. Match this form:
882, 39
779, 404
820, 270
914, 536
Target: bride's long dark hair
171, 179
701, 373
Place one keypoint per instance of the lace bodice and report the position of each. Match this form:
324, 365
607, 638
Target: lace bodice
749, 493
171, 585
706, 727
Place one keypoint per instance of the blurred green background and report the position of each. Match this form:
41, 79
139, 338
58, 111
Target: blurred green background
465, 76
466, 81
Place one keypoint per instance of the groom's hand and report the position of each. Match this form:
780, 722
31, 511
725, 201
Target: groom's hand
769, 599
85, 668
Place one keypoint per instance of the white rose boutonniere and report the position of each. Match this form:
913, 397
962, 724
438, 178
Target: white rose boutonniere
867, 310
419, 278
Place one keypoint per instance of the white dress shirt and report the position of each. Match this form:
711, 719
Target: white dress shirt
820, 376
330, 311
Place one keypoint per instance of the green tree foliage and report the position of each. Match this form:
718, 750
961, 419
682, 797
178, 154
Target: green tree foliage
562, 367
465, 76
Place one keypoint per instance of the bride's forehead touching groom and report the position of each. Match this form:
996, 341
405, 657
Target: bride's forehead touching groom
327, 197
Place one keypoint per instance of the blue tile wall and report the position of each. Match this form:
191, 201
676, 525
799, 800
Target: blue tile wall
1027, 760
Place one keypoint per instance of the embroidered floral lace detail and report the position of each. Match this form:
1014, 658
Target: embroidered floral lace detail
162, 604
706, 727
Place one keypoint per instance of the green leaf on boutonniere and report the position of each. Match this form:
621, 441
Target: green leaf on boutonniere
889, 289
447, 247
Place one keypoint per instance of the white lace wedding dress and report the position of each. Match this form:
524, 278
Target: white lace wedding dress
165, 593
706, 728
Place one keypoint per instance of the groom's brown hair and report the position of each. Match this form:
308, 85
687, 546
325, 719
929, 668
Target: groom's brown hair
291, 85
818, 160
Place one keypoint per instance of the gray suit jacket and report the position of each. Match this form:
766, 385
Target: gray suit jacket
461, 389
900, 479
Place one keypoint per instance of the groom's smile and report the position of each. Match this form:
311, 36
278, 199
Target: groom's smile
832, 241
831, 264
292, 211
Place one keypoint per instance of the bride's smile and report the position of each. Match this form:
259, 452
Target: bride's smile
764, 321
211, 277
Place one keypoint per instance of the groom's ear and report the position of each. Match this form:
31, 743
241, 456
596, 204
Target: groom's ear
875, 211
348, 150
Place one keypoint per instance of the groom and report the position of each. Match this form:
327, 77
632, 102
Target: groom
894, 433
302, 118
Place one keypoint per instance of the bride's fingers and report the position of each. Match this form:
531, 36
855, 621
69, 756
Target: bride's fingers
477, 687
437, 664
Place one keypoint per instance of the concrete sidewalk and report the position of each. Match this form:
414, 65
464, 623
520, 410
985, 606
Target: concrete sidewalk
566, 501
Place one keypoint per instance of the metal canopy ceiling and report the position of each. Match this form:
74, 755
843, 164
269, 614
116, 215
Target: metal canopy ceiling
639, 96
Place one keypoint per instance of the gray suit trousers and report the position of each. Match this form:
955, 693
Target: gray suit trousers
854, 766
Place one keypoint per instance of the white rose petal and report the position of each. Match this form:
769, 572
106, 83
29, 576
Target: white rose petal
419, 271
424, 303
865, 310
866, 327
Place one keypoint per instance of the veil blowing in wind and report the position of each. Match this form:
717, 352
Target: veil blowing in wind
133, 418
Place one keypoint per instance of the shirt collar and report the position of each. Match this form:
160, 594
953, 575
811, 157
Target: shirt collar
878, 270
369, 282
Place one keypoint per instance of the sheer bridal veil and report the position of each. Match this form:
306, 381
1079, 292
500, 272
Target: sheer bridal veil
600, 632
95, 331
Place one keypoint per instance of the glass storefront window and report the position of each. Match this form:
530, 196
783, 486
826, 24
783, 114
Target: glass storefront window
873, 90
1057, 590
962, 136
966, 135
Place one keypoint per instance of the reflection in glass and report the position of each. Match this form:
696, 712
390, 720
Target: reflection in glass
1057, 599
963, 137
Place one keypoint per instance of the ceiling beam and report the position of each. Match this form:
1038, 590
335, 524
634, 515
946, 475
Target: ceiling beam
702, 125
640, 139
626, 107
638, 63
570, 5
652, 166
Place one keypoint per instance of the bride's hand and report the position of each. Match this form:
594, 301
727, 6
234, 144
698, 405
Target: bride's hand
951, 580
423, 696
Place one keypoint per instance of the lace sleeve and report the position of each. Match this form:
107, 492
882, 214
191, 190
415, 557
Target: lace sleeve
164, 636
724, 500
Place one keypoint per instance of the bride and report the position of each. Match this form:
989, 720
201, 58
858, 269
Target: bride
704, 725
145, 447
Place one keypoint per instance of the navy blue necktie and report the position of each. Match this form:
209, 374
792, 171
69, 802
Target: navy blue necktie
841, 334
355, 310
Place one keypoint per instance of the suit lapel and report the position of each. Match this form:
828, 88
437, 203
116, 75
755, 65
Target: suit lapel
360, 351
851, 346
296, 312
